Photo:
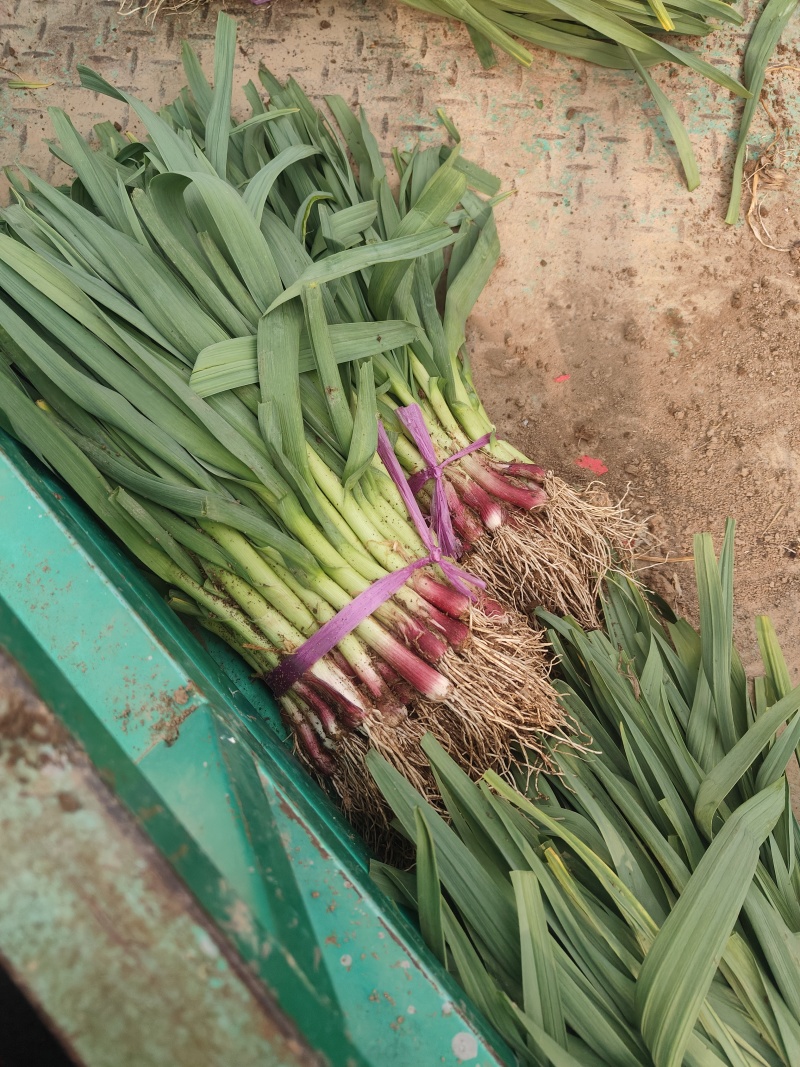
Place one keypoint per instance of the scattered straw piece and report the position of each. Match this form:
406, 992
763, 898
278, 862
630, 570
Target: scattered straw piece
765, 176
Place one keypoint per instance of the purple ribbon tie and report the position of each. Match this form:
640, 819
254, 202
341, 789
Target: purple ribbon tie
413, 420
293, 667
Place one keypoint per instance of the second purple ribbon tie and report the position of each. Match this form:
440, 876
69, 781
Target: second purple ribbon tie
441, 522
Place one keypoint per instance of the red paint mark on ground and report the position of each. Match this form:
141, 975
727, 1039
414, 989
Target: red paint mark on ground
596, 466
562, 378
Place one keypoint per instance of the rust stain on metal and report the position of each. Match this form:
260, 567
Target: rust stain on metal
161, 713
290, 814
181, 694
412, 961
68, 802
166, 728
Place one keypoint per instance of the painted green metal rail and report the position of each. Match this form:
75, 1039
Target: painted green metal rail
98, 931
195, 753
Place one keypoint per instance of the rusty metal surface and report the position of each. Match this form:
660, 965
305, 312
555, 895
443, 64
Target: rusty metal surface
96, 928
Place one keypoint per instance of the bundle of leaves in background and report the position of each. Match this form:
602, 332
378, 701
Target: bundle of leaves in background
644, 907
200, 333
633, 35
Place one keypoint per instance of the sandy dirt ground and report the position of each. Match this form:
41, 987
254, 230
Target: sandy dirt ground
679, 334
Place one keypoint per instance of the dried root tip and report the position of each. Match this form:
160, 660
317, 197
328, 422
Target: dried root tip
557, 557
356, 792
502, 702
361, 800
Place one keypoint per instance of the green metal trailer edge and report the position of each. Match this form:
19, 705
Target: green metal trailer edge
195, 755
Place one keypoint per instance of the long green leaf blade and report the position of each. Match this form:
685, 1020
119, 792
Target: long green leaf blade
539, 978
678, 970
359, 259
233, 363
429, 894
724, 777
681, 138
364, 439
